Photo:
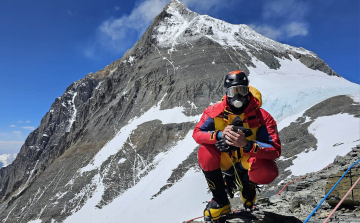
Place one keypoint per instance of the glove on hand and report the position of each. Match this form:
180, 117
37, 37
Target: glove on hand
238, 125
223, 146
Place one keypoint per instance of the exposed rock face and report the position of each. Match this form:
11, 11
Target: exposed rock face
174, 61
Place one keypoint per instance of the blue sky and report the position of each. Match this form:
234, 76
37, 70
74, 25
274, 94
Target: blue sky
47, 45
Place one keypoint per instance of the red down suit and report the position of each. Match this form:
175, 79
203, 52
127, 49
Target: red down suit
259, 161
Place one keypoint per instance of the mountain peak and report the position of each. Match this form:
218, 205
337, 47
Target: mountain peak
179, 25
174, 4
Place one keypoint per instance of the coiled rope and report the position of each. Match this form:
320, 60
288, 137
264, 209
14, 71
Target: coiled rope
338, 205
317, 207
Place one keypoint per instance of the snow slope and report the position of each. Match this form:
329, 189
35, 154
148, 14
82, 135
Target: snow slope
293, 87
136, 205
336, 136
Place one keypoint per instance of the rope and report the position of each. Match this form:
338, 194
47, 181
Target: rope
193, 219
237, 177
317, 207
290, 183
299, 179
338, 205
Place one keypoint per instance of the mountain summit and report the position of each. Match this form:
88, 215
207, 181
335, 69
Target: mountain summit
179, 25
117, 144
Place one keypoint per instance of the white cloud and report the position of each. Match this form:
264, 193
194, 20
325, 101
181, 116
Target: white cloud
296, 29
28, 127
282, 32
118, 34
292, 12
12, 126
267, 31
27, 121
290, 9
117, 8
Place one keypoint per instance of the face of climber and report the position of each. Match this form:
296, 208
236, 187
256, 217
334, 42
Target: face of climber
237, 95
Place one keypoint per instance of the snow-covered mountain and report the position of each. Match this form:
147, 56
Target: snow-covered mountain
117, 144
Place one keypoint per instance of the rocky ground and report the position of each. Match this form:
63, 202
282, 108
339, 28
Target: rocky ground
299, 199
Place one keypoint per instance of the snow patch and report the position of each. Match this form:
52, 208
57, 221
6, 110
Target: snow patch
74, 111
330, 142
26, 184
35, 221
356, 98
174, 115
122, 160
99, 85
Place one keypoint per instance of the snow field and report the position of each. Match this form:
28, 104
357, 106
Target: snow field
136, 205
294, 87
336, 135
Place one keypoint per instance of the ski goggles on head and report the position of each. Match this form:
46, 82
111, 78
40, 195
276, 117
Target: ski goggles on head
239, 89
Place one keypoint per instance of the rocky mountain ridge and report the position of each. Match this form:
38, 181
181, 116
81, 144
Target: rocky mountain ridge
56, 172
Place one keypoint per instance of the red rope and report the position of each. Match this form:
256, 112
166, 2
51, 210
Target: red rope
194, 219
289, 183
300, 179
338, 205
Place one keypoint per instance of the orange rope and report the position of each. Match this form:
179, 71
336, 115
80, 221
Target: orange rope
338, 205
288, 184
193, 219
300, 179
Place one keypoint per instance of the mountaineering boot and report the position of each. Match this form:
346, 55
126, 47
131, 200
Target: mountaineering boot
220, 204
248, 195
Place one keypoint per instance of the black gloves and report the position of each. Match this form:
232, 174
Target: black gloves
223, 146
238, 125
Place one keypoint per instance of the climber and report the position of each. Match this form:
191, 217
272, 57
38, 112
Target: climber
236, 132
